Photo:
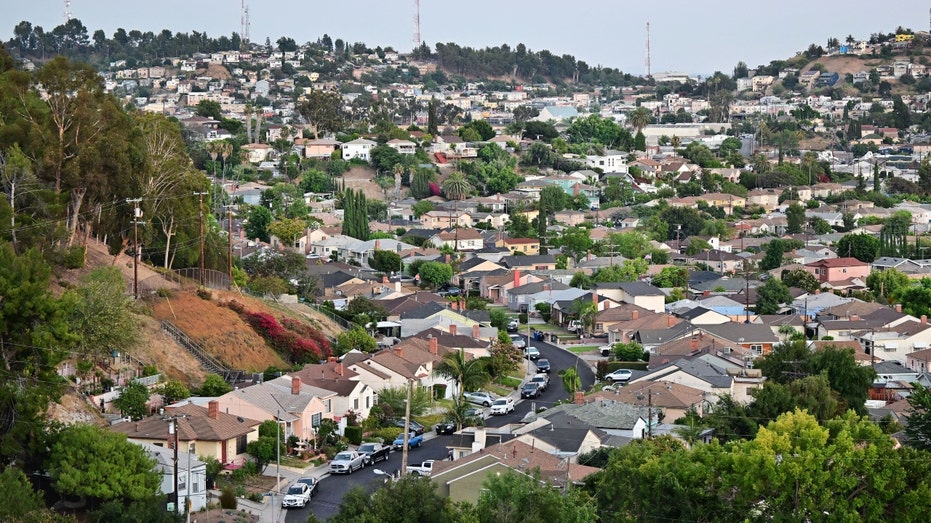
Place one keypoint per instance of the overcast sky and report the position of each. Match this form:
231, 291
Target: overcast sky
686, 35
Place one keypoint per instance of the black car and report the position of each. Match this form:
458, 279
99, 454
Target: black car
415, 427
445, 427
543, 365
530, 390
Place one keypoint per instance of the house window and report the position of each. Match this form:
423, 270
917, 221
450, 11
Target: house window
368, 402
355, 404
328, 405
757, 350
315, 419
241, 444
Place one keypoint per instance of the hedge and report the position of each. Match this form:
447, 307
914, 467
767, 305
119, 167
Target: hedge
354, 435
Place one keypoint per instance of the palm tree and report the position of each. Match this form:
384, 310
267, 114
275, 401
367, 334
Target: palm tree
640, 118
676, 141
585, 311
571, 381
456, 187
466, 373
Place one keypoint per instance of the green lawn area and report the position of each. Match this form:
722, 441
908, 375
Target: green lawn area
582, 348
543, 327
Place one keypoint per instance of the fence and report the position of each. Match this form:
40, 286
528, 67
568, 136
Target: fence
208, 362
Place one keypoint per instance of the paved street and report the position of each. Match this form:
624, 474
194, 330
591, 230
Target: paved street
326, 503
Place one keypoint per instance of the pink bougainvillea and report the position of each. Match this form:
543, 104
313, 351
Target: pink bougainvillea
299, 342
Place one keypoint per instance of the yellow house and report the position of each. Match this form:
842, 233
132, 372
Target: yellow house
520, 245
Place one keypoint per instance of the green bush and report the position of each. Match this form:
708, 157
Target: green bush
522, 318
228, 498
354, 435
439, 391
387, 434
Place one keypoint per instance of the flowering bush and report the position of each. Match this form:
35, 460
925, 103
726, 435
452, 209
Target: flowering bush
299, 342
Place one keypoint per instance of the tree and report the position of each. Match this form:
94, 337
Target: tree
519, 226
422, 207
640, 118
456, 187
214, 385
266, 449
355, 215
89, 461
860, 246
571, 381
795, 216
671, 277
394, 398
287, 230
132, 401
21, 499
631, 351
918, 420
435, 273
887, 284
323, 111
771, 296
468, 373
174, 391
775, 250
409, 499
102, 314
256, 226
356, 338
516, 497
386, 261
801, 279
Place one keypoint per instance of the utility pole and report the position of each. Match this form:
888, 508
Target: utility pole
407, 427
229, 242
173, 440
649, 413
137, 213
201, 196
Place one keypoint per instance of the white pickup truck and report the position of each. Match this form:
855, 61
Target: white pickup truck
424, 469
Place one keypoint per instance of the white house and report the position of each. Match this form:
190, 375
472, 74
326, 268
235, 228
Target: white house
359, 148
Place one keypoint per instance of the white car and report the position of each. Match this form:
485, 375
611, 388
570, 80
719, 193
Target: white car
479, 398
346, 462
297, 496
502, 406
532, 353
517, 341
618, 375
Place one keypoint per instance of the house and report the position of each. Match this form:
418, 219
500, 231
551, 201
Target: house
538, 262
352, 396
298, 407
556, 113
320, 148
612, 417
446, 219
520, 245
458, 239
642, 294
838, 269
257, 152
212, 432
674, 399
402, 146
359, 148
192, 474
712, 375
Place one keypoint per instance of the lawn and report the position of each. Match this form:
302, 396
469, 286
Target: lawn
582, 348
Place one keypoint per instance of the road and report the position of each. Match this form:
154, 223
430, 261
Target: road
325, 503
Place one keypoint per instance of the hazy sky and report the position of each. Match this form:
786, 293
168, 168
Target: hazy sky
690, 36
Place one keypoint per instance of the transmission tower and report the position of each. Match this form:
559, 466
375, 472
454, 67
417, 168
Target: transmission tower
416, 24
68, 13
648, 50
244, 24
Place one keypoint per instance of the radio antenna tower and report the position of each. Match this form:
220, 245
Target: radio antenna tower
648, 51
416, 24
68, 13
244, 21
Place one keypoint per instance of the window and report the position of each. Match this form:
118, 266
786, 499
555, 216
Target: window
328, 405
315, 419
757, 350
241, 444
355, 404
368, 402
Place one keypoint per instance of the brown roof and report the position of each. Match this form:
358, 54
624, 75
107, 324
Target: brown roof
520, 241
329, 370
194, 425
664, 394
341, 387
836, 262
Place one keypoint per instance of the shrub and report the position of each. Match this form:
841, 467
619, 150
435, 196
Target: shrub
204, 294
228, 498
163, 293
522, 318
354, 435
387, 434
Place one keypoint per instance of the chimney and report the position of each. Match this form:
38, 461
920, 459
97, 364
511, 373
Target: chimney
588, 256
670, 321
295, 385
898, 307
339, 369
476, 331
454, 305
635, 315
377, 245
397, 286
607, 304
398, 352
693, 345
595, 298
448, 259
546, 287
385, 280
332, 359
705, 293
579, 398
213, 409
434, 346
817, 292
517, 277
453, 329
854, 317
924, 319
462, 303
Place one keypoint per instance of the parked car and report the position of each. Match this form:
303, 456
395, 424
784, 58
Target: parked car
346, 462
312, 483
574, 326
532, 353
502, 406
445, 427
543, 365
517, 341
413, 426
618, 375
423, 469
476, 414
542, 380
480, 398
530, 390
513, 325
298, 495
374, 452
414, 440
605, 350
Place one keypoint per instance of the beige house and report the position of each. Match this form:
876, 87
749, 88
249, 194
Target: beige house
446, 219
208, 430
320, 148
257, 152
520, 245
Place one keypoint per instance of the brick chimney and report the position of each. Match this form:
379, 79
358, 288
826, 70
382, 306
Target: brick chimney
595, 298
693, 344
517, 277
213, 409
588, 255
462, 304
924, 319
448, 259
635, 315
579, 398
607, 304
898, 307
453, 329
295, 385
377, 245
385, 280
476, 331
332, 359
454, 305
398, 352
434, 346
670, 321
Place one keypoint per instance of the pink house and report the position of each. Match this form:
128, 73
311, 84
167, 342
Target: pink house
838, 269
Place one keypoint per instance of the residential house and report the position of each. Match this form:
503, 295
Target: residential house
211, 431
256, 152
437, 219
639, 293
320, 148
538, 262
359, 148
458, 239
191, 473
352, 396
673, 399
838, 269
298, 407
712, 375
524, 246
557, 113
403, 146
